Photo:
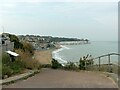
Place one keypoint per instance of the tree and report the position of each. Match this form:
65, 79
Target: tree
17, 43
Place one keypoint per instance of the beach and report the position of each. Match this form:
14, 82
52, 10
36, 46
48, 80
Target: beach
44, 57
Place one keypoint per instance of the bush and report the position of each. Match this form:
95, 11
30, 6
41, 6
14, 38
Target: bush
32, 64
26, 58
28, 47
56, 64
17, 66
46, 66
21, 63
82, 64
85, 61
6, 71
5, 58
70, 66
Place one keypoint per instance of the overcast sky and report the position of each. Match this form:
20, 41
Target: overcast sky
92, 20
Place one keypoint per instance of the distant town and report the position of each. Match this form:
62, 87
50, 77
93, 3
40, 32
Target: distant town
38, 42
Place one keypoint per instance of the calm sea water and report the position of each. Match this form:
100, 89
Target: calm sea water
97, 48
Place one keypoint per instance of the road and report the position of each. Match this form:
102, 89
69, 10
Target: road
49, 78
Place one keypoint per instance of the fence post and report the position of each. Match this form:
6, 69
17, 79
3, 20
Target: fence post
99, 63
109, 63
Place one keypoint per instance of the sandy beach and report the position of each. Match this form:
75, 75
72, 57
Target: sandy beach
44, 57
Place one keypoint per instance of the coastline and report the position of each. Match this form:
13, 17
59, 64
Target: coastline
46, 56
56, 56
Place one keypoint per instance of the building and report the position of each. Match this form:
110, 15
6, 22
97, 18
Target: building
7, 47
6, 44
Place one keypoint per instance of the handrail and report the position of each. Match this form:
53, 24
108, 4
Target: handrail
107, 55
101, 56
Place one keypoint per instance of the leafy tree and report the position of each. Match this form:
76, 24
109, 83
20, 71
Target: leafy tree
17, 43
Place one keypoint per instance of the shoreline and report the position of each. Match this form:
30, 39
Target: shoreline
45, 56
57, 57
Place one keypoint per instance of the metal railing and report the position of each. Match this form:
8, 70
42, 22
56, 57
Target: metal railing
109, 61
99, 64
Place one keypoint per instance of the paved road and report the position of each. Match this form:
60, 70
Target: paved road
49, 78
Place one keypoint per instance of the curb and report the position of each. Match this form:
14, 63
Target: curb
18, 77
113, 76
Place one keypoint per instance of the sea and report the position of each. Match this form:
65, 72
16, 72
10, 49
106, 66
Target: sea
72, 53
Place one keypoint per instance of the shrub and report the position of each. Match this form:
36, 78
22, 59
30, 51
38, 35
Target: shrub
85, 61
26, 58
70, 66
32, 64
82, 64
56, 64
28, 47
6, 71
46, 66
5, 58
17, 66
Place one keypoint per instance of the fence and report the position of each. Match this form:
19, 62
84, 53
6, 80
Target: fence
110, 66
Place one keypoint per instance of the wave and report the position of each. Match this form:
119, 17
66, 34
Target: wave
56, 56
65, 47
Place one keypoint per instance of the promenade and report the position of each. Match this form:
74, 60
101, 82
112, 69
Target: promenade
49, 78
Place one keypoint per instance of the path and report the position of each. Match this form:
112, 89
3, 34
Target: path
49, 78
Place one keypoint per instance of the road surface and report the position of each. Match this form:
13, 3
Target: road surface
49, 78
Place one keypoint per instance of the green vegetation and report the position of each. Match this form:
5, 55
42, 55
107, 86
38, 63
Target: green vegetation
23, 62
6, 71
27, 47
19, 65
27, 59
56, 64
85, 62
49, 39
17, 43
70, 66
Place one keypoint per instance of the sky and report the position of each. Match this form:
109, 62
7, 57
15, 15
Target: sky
96, 21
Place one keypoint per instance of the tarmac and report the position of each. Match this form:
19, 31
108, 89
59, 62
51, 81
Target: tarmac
49, 78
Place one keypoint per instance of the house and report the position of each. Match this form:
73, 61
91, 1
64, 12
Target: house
6, 43
8, 46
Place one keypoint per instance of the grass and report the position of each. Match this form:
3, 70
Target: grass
21, 63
